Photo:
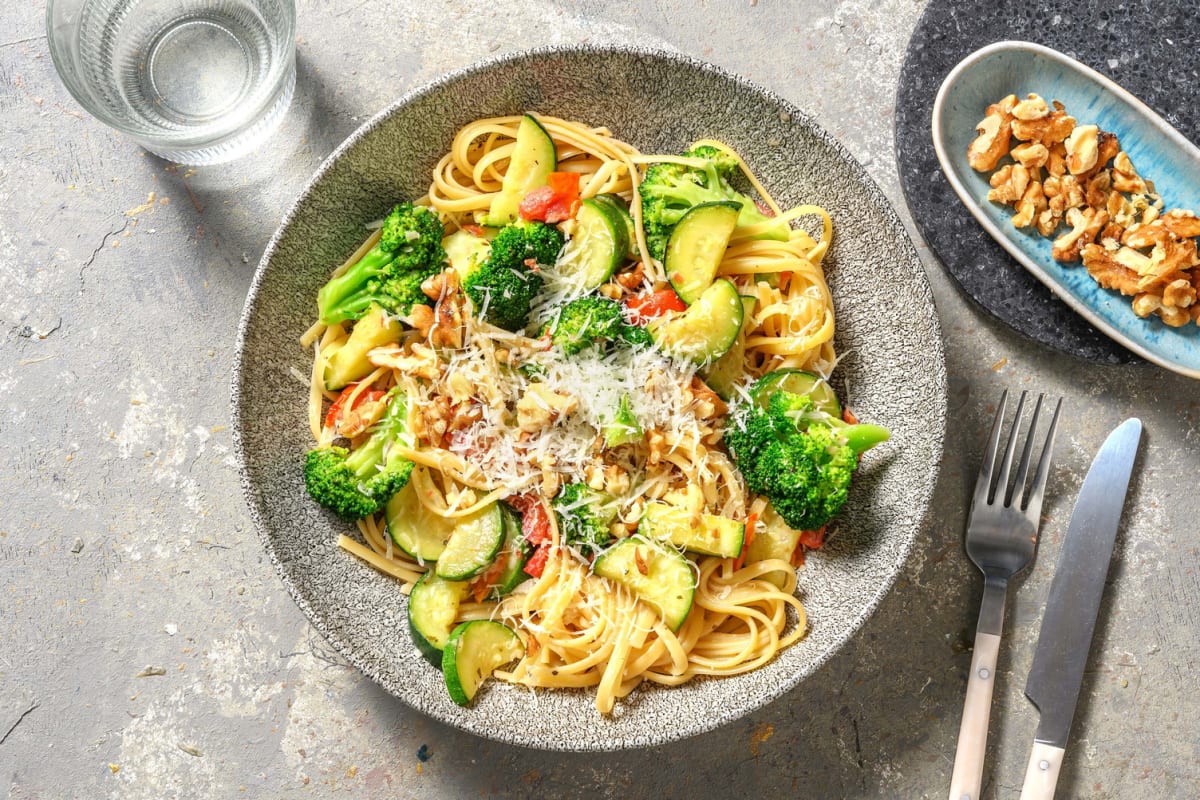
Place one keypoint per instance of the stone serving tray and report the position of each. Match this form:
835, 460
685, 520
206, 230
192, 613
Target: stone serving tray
893, 373
1159, 152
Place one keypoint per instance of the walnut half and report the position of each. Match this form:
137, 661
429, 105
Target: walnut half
995, 132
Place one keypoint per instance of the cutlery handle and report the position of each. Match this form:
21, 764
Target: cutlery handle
977, 710
1041, 776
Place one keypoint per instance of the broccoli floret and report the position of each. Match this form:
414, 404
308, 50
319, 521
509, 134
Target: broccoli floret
635, 336
669, 190
410, 242
583, 322
502, 289
528, 239
799, 458
357, 483
584, 515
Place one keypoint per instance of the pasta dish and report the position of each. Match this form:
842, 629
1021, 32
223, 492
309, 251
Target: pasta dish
576, 399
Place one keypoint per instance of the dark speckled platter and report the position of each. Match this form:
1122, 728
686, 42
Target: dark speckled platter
1147, 47
895, 368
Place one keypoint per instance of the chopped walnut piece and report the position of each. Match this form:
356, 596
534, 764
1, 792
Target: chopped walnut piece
1031, 108
417, 360
1009, 184
995, 133
1146, 304
449, 312
358, 419
1056, 163
1084, 227
1047, 222
1032, 155
632, 279
1067, 194
1182, 224
1051, 129
421, 317
1082, 148
1179, 293
1098, 189
1108, 272
1107, 146
612, 291
1126, 178
1030, 206
540, 407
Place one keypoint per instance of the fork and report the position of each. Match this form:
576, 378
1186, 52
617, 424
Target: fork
1002, 530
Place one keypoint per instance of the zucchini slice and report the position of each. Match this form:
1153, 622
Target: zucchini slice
513, 555
711, 536
416, 531
707, 330
533, 158
774, 541
597, 246
797, 381
619, 205
668, 583
349, 362
475, 650
472, 545
432, 609
724, 373
697, 245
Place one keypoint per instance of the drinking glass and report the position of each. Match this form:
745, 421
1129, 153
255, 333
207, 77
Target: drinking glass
193, 81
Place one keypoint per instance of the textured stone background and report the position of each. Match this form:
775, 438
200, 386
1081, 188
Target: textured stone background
124, 543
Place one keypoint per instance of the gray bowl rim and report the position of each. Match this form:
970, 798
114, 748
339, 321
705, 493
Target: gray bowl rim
921, 283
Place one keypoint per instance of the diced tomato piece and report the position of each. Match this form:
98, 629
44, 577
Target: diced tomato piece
339, 406
474, 230
536, 564
747, 539
645, 307
535, 523
558, 200
813, 539
848, 417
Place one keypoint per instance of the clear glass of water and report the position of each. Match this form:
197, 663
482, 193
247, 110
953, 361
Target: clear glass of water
193, 81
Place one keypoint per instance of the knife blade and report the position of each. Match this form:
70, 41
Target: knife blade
1073, 604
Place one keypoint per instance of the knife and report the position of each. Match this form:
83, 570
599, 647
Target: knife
1072, 606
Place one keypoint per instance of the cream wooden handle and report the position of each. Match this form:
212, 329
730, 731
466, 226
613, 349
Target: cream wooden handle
1041, 776
977, 709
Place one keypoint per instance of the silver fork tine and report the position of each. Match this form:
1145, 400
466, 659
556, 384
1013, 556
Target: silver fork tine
984, 482
1017, 495
1033, 507
1002, 481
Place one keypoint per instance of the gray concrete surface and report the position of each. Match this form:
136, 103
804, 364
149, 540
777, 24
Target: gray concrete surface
124, 543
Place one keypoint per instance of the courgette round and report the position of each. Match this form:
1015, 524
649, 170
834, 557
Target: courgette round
622, 208
597, 247
473, 545
413, 528
432, 609
707, 330
697, 245
659, 575
475, 650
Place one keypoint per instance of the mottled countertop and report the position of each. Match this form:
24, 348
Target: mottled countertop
147, 648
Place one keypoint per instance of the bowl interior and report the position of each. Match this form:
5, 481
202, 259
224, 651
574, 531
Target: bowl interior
893, 373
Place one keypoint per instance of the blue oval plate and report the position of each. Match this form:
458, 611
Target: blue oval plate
1160, 152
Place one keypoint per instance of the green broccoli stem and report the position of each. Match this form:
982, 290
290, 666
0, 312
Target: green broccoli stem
333, 296
862, 436
365, 460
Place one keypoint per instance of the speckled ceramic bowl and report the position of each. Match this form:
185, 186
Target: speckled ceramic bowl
893, 371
